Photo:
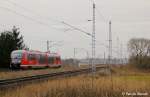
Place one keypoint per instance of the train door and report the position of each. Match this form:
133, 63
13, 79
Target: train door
42, 60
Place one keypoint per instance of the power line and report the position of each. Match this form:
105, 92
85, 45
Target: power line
42, 23
37, 14
26, 17
30, 11
100, 14
15, 4
33, 19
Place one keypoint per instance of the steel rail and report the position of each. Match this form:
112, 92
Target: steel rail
16, 81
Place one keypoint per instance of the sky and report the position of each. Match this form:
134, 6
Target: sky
41, 20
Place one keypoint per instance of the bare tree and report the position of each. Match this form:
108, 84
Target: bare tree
139, 49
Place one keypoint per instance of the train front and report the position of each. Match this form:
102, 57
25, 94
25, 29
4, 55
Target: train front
16, 57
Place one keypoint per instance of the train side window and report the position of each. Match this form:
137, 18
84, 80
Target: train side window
31, 57
38, 57
42, 59
58, 58
50, 60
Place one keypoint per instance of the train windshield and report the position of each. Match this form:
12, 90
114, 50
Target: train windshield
16, 55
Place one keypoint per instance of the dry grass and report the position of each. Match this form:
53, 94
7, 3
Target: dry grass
81, 86
129, 70
22, 73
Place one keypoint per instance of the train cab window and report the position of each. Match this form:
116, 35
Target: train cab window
16, 55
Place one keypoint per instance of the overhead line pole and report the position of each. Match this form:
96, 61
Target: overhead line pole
110, 53
118, 49
93, 46
74, 56
93, 41
121, 53
110, 45
47, 46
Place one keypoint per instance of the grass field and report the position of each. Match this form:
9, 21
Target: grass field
125, 83
8, 74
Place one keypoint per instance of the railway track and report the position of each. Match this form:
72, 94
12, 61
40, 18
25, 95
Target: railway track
19, 81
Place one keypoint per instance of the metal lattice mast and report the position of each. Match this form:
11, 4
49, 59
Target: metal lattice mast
48, 46
110, 45
110, 53
93, 40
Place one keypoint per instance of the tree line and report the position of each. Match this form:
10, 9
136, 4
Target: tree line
9, 41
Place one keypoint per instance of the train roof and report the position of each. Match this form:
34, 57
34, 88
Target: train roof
53, 54
33, 51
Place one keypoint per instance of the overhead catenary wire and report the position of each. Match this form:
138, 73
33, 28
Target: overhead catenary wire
42, 23
25, 16
30, 11
100, 14
75, 28
48, 18
37, 14
15, 4
28, 18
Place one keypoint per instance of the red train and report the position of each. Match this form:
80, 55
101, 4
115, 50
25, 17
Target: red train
30, 59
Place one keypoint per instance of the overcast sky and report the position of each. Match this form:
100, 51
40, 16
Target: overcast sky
40, 20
